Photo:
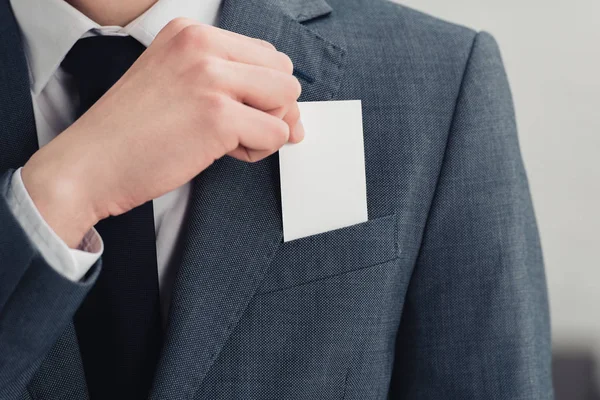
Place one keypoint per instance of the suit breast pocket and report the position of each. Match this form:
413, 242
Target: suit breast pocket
332, 253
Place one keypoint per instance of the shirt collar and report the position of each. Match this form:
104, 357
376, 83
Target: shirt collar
50, 28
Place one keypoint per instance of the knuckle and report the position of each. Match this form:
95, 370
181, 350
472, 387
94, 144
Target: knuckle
252, 156
216, 120
266, 44
208, 69
185, 39
293, 117
176, 25
192, 37
286, 63
179, 22
281, 132
296, 87
216, 104
202, 37
292, 88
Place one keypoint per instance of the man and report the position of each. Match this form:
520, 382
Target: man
184, 289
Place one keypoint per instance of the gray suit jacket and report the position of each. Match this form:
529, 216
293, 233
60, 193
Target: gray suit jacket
440, 295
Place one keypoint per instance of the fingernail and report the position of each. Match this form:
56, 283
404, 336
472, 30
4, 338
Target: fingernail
299, 131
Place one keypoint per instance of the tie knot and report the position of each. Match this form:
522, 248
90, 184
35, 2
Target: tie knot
98, 62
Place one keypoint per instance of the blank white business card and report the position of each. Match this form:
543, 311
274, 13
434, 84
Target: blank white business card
323, 182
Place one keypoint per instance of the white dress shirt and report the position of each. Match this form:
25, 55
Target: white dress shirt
50, 28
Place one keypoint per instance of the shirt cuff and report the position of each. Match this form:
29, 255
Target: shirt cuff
71, 263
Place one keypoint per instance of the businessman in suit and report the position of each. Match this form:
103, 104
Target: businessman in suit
141, 251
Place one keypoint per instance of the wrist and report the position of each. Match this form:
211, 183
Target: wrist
60, 197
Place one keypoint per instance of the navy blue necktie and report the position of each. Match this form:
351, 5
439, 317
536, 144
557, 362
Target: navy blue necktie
118, 325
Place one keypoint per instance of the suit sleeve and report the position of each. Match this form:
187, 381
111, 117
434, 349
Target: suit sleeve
36, 302
71, 263
475, 323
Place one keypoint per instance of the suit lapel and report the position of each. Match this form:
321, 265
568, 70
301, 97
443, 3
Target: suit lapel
18, 137
318, 62
235, 218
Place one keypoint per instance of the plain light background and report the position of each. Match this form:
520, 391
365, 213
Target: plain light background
551, 50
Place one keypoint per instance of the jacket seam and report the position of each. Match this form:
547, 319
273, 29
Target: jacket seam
323, 278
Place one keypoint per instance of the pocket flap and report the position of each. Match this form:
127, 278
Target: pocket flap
335, 252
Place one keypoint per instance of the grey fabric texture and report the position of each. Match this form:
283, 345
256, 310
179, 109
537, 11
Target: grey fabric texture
440, 295
36, 310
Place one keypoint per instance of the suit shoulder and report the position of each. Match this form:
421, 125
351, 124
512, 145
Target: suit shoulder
419, 22
404, 30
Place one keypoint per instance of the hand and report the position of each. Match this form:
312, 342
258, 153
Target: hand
196, 94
